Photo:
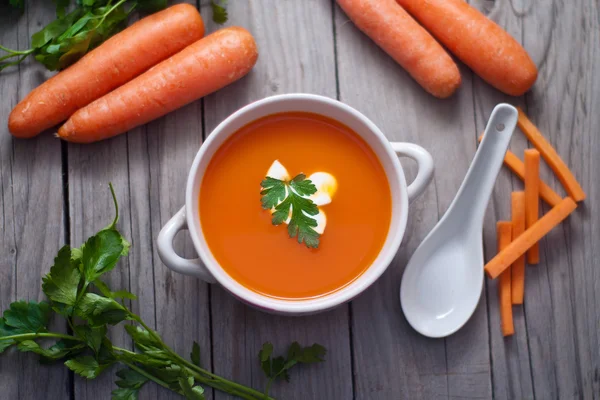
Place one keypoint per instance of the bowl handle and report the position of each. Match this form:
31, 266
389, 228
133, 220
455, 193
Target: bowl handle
171, 259
424, 164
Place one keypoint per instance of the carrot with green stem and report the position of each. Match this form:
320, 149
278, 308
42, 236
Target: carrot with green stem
407, 42
110, 65
201, 68
532, 191
478, 42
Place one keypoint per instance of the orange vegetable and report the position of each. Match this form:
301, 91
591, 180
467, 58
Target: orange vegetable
532, 190
478, 42
113, 63
564, 175
518, 167
518, 227
520, 245
504, 229
201, 68
407, 42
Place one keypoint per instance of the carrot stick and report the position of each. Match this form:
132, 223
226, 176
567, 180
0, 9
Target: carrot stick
115, 62
477, 41
565, 176
504, 229
518, 167
407, 42
207, 65
520, 245
518, 267
532, 190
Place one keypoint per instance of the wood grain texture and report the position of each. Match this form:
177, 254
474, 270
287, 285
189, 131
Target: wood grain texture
409, 365
296, 54
563, 321
32, 210
511, 370
373, 353
177, 306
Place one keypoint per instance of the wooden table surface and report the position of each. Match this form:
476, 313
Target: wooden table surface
53, 193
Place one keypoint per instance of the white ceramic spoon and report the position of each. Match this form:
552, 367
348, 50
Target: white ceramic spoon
443, 280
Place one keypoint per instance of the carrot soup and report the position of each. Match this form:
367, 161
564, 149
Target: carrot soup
343, 192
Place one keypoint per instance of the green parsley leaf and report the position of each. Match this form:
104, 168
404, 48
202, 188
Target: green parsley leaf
55, 352
101, 253
190, 391
278, 368
99, 310
60, 285
119, 294
287, 197
143, 339
5, 331
60, 350
92, 335
195, 354
303, 186
85, 366
26, 317
219, 11
61, 6
129, 384
130, 379
125, 394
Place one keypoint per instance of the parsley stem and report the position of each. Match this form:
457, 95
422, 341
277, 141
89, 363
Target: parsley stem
147, 375
3, 66
25, 336
6, 49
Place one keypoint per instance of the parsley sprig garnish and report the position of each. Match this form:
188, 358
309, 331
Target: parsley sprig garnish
84, 27
76, 291
288, 197
278, 367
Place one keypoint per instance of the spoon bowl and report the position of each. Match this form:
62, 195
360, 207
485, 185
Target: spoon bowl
442, 282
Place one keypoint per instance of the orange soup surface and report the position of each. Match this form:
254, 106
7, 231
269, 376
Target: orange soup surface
261, 256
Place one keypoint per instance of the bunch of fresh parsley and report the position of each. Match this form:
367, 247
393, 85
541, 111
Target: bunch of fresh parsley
289, 197
71, 35
76, 291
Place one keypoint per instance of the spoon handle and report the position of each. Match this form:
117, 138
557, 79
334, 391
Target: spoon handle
476, 189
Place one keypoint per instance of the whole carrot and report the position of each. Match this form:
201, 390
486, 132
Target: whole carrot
201, 68
409, 44
478, 42
113, 63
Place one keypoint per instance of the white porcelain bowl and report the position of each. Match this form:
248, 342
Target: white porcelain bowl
207, 267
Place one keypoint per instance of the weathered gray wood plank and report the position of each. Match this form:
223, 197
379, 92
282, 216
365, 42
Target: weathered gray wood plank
510, 357
177, 306
295, 40
159, 162
563, 321
91, 168
32, 210
411, 366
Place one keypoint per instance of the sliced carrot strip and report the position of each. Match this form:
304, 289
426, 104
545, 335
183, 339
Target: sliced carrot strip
517, 290
532, 190
563, 173
517, 166
504, 229
520, 245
